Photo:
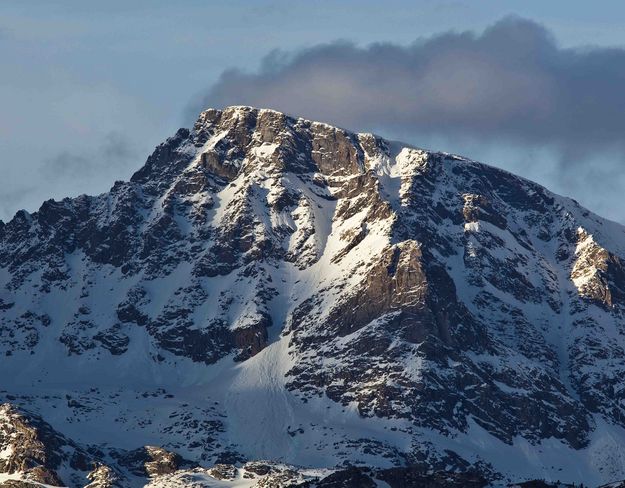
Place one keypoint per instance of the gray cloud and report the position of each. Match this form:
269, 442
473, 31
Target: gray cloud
510, 95
510, 82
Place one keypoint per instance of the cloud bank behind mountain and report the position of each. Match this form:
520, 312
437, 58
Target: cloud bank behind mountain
557, 112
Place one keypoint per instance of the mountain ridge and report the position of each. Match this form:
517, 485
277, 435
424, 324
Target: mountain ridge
311, 284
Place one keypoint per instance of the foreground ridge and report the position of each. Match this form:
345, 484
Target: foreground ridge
272, 288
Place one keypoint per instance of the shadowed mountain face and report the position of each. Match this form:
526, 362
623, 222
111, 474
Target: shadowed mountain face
274, 288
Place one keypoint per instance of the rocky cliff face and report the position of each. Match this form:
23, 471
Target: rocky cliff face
276, 288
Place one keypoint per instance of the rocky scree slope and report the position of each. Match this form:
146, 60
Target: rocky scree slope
267, 287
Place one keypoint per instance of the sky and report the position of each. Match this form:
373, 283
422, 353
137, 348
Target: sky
89, 89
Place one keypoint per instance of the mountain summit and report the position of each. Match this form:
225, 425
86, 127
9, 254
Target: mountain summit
273, 288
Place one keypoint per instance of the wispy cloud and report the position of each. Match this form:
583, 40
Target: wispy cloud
71, 172
115, 153
13, 199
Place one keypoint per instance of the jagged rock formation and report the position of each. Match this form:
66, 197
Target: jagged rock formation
266, 287
103, 477
32, 448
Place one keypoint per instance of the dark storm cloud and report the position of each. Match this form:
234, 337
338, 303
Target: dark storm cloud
113, 154
511, 82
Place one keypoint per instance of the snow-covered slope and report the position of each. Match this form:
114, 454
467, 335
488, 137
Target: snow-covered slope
274, 288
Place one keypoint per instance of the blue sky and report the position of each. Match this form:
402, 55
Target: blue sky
88, 89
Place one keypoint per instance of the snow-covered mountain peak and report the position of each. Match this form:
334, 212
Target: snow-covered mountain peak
269, 287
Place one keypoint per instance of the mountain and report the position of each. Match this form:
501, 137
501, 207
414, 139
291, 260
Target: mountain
343, 307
